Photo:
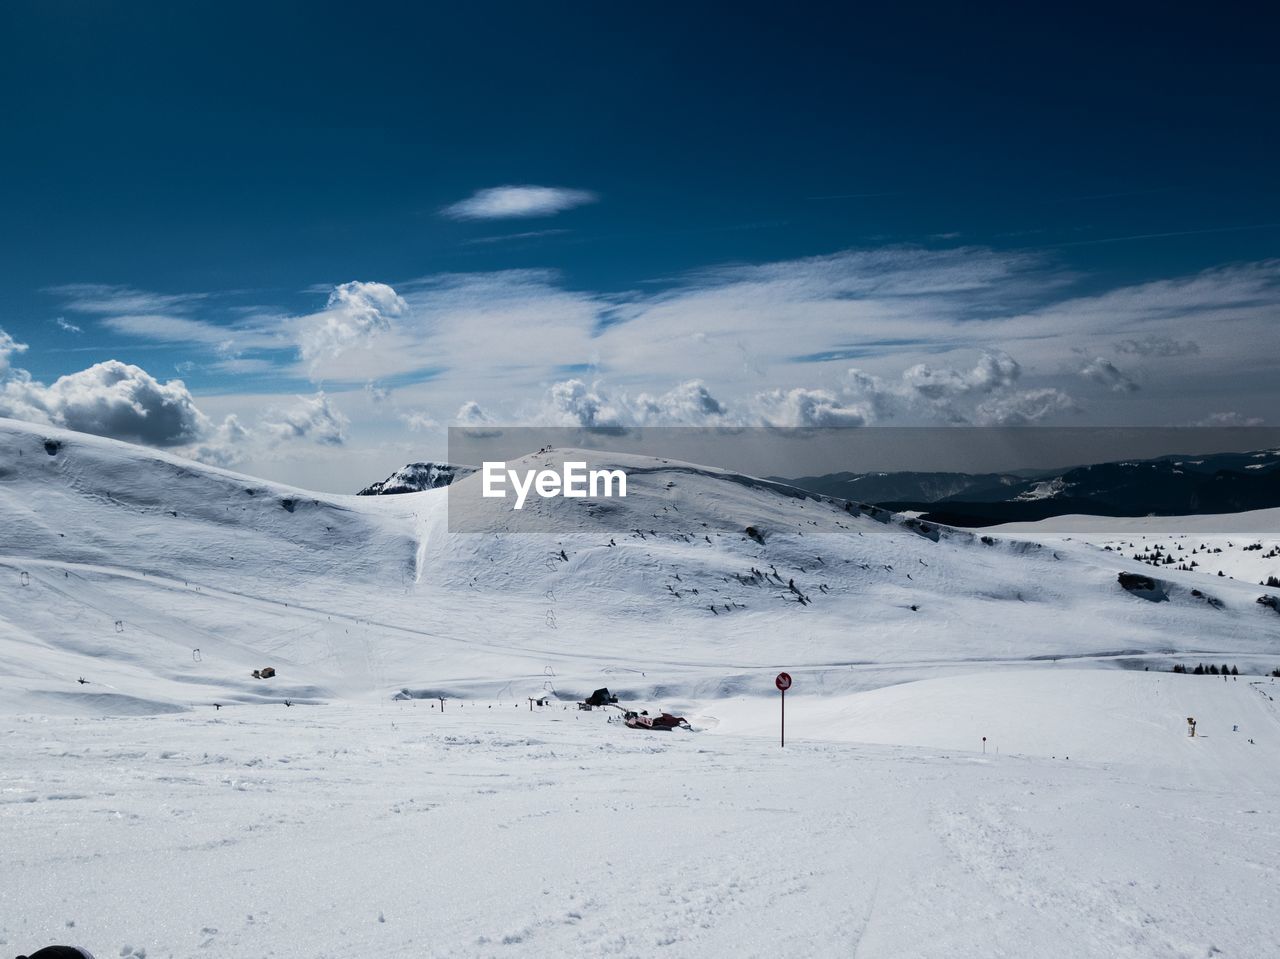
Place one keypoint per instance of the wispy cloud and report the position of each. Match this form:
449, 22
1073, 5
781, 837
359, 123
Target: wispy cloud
225, 338
66, 327
244, 366
853, 196
1154, 345
1229, 420
511, 237
517, 202
101, 298
1171, 233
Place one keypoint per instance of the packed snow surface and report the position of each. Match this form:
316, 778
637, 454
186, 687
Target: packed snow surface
173, 805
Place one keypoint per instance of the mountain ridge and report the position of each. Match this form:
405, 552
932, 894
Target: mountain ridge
1166, 485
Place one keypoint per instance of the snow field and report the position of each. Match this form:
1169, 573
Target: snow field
138, 819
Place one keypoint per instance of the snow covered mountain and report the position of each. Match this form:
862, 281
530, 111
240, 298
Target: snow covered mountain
165, 583
417, 478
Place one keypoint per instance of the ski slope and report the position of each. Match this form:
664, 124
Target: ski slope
172, 805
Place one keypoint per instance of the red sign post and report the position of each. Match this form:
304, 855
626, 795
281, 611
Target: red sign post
783, 682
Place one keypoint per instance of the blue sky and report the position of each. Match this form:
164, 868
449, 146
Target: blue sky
306, 214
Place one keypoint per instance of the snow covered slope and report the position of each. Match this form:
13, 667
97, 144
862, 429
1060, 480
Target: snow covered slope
1243, 546
398, 830
164, 583
384, 825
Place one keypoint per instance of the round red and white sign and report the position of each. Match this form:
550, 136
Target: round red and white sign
783, 682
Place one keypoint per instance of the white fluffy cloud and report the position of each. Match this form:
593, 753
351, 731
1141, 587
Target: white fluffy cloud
126, 402
986, 393
1023, 408
472, 413
809, 408
109, 399
228, 445
517, 202
573, 403
689, 404
278, 432
355, 313
311, 418
993, 371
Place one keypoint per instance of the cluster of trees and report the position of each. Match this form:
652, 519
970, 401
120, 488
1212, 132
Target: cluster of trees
1159, 556
1270, 554
1210, 670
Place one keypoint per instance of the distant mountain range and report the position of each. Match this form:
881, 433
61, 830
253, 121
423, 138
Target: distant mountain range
1166, 486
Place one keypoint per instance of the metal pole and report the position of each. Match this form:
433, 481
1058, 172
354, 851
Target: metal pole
784, 719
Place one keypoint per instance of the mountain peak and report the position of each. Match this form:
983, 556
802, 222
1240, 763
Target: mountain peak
417, 478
